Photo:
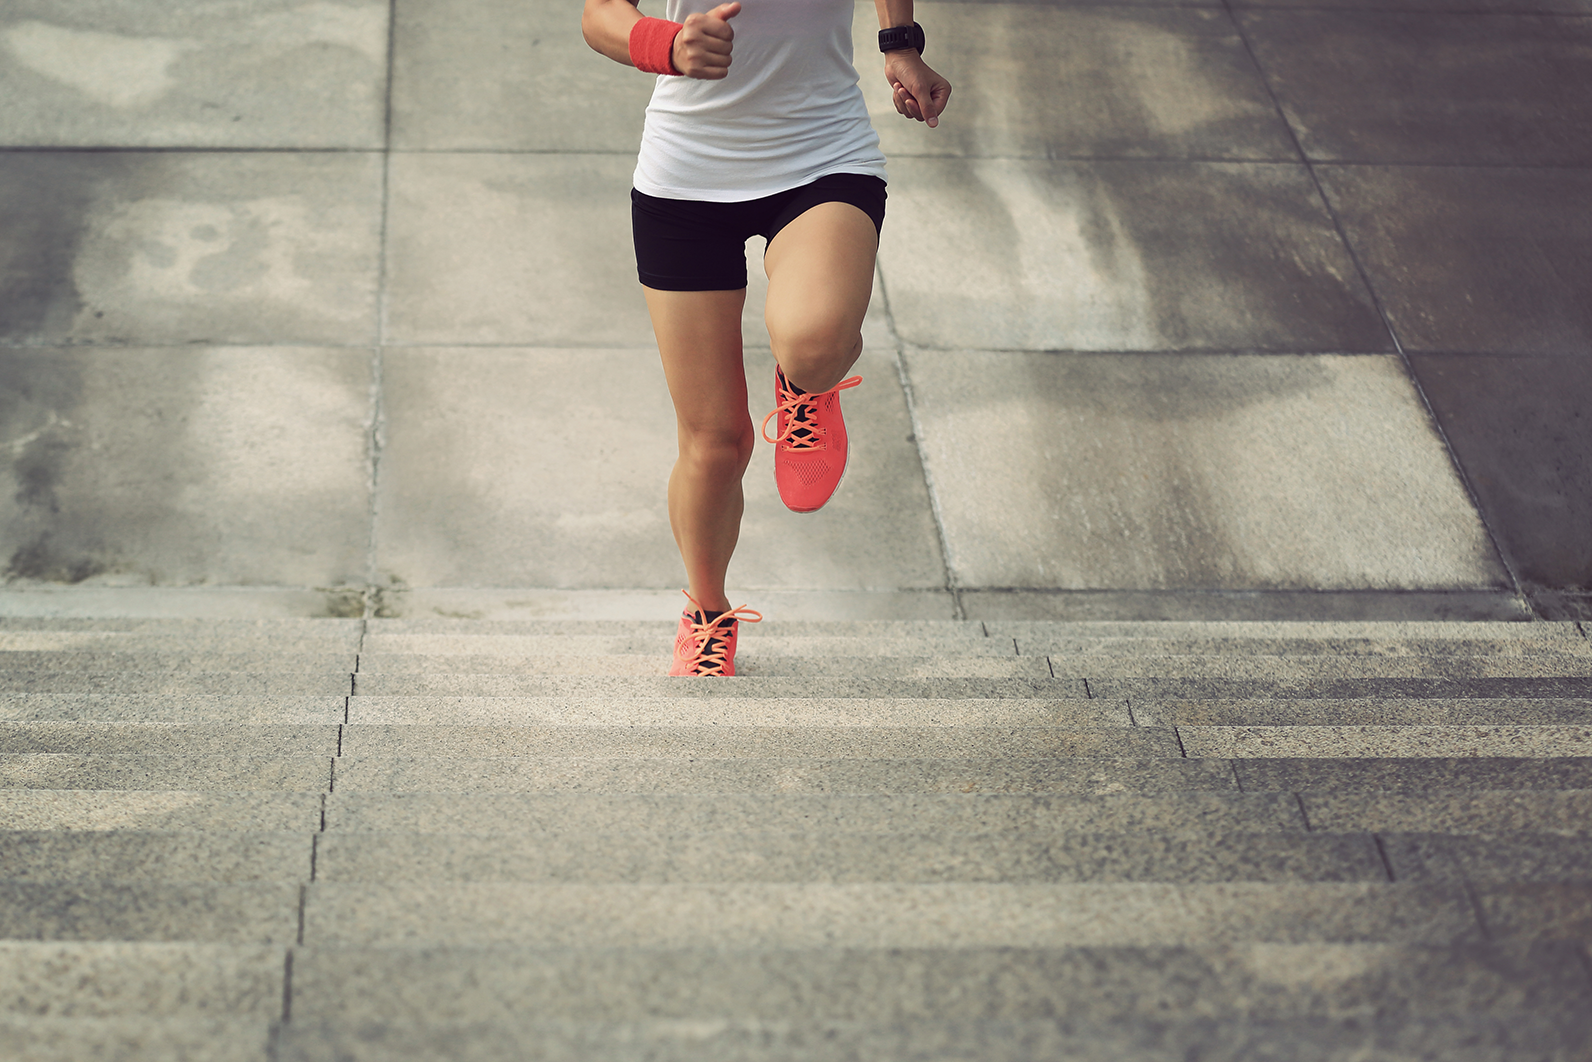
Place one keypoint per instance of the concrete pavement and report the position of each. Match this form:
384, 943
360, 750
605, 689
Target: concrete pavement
1186, 310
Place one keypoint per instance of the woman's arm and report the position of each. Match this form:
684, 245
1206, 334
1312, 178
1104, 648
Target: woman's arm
701, 48
919, 92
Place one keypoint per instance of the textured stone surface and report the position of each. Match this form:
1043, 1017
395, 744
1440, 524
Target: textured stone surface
1257, 981
1124, 256
1365, 742
145, 466
883, 915
147, 74
31, 809
48, 770
1377, 86
1473, 260
178, 247
126, 856
1197, 801
240, 914
134, 739
502, 75
1166, 472
80, 981
852, 858
1064, 80
1412, 776
454, 409
1520, 427
176, 709
1454, 812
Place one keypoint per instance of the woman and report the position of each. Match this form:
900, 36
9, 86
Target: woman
756, 126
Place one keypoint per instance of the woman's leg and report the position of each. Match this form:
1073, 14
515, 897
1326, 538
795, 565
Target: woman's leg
699, 337
820, 275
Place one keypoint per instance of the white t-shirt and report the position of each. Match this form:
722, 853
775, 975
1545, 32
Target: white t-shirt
788, 112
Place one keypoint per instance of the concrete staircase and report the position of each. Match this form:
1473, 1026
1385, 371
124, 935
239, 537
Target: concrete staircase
393, 840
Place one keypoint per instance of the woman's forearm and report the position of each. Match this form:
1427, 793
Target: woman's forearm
893, 12
606, 25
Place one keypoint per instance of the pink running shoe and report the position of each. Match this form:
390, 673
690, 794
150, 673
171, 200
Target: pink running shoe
707, 646
810, 444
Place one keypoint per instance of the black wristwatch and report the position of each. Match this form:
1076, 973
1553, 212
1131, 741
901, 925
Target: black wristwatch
898, 37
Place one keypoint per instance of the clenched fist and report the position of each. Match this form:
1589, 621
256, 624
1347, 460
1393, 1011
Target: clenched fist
702, 48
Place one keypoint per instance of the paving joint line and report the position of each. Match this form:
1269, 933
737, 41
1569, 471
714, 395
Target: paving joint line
1299, 801
1381, 851
1381, 310
904, 376
287, 986
1181, 751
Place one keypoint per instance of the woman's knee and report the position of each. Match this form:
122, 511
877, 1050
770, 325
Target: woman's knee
813, 351
718, 450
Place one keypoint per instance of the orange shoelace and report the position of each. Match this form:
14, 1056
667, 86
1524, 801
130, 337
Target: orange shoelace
707, 644
799, 432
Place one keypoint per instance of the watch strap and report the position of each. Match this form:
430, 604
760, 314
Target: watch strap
898, 37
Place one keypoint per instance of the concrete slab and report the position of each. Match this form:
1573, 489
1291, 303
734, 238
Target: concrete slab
404, 696
1030, 255
181, 247
215, 603
225, 683
513, 249
1364, 742
1488, 859
1473, 260
884, 916
215, 1039
1411, 776
744, 858
1256, 981
471, 493
493, 605
87, 809
1163, 471
1068, 81
1346, 712
81, 708
141, 739
1248, 606
78, 981
78, 856
1173, 795
547, 774
1519, 427
47, 770
1430, 87
1543, 912
1474, 812
278, 73
173, 911
184, 466
508, 76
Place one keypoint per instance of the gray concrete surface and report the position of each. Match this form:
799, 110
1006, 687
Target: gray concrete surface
329, 309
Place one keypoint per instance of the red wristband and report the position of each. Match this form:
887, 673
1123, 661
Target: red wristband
652, 45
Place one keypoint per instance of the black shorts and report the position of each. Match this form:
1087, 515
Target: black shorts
690, 245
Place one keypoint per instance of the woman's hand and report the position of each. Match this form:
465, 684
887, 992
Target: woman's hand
702, 48
918, 92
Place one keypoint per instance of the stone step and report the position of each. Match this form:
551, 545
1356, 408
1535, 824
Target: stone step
896, 915
1427, 742
748, 665
1466, 711
1459, 1039
231, 913
659, 643
1159, 690
753, 660
224, 683
163, 739
591, 709
621, 688
128, 855
84, 981
202, 773
1496, 859
1474, 811
171, 708
136, 1039
89, 809
725, 857
379, 987
1368, 649
1411, 775
181, 659
1213, 809
1327, 632
716, 742
525, 774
